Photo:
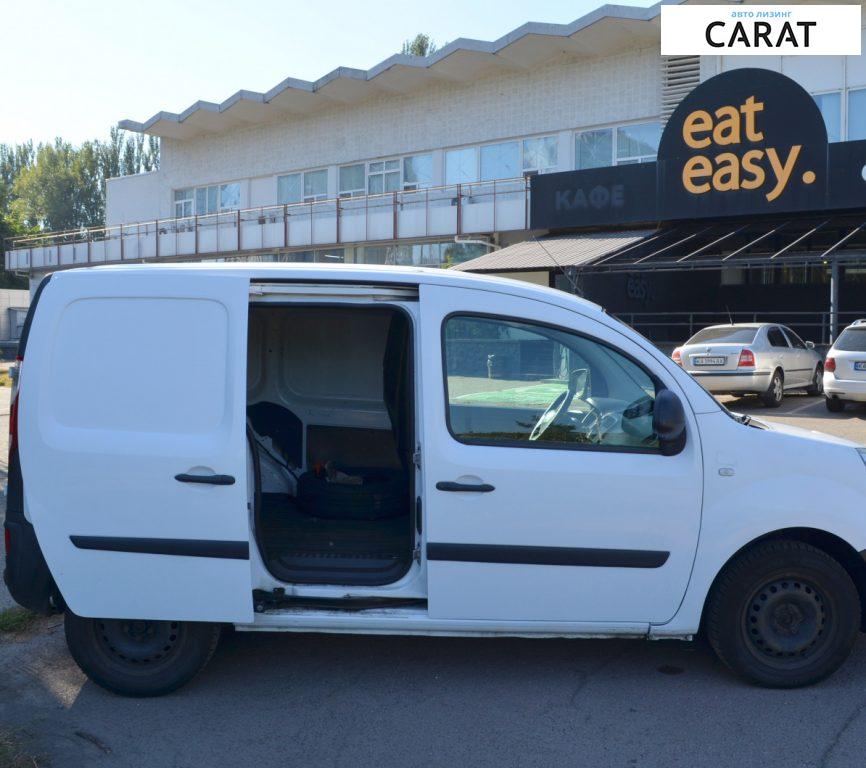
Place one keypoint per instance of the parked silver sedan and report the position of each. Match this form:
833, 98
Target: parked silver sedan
764, 359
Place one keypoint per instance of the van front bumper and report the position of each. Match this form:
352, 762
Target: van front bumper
732, 382
844, 389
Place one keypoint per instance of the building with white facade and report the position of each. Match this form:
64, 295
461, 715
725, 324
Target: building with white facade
418, 160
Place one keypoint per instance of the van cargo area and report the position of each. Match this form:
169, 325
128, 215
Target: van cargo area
331, 424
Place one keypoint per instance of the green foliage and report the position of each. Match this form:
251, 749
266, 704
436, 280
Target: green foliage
16, 620
59, 186
15, 754
421, 45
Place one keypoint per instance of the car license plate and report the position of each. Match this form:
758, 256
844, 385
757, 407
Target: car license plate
709, 360
860, 365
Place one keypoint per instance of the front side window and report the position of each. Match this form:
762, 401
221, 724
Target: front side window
830, 105
383, 176
794, 339
857, 115
417, 171
593, 149
510, 382
461, 165
500, 161
541, 154
637, 143
352, 180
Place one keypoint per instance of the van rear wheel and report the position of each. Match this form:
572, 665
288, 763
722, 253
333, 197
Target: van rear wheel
139, 657
783, 614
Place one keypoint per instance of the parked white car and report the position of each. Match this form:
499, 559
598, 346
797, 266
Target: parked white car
845, 368
763, 359
403, 451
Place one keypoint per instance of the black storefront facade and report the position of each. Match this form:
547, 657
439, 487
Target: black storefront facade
747, 214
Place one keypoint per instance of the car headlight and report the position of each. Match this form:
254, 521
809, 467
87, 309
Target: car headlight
862, 452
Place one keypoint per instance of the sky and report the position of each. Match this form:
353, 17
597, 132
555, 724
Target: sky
74, 68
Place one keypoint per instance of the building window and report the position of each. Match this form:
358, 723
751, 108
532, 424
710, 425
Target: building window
637, 143
593, 149
183, 203
461, 165
626, 144
500, 161
830, 105
201, 201
305, 187
417, 171
352, 180
383, 176
857, 115
230, 196
541, 154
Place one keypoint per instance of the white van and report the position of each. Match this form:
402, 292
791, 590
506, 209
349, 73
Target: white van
403, 451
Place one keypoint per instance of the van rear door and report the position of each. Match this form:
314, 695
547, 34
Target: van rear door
132, 443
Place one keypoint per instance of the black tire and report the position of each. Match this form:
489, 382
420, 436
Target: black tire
140, 658
783, 614
817, 385
834, 404
772, 398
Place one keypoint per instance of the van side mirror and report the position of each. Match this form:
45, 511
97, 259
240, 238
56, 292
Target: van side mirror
669, 422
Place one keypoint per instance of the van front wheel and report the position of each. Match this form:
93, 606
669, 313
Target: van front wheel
138, 657
783, 614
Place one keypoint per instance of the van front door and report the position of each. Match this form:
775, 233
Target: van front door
547, 495
132, 443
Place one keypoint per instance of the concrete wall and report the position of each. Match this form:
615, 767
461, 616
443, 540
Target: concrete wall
11, 298
556, 98
131, 199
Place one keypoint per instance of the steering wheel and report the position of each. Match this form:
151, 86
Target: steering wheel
559, 406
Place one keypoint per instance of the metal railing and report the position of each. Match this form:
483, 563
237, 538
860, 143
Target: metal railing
420, 214
678, 327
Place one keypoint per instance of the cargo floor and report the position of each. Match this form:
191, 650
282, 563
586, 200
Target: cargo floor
300, 548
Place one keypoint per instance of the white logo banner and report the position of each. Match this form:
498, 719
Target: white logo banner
760, 30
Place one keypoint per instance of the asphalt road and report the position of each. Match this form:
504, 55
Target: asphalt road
282, 700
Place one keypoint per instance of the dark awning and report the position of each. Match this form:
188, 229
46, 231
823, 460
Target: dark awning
794, 241
553, 252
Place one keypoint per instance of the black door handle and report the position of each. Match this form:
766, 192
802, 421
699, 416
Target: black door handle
206, 479
464, 487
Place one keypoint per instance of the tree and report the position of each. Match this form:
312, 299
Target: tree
421, 45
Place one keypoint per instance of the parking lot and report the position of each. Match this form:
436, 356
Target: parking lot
277, 700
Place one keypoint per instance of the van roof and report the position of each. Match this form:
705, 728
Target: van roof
364, 273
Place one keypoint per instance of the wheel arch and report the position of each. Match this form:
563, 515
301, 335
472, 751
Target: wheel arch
834, 546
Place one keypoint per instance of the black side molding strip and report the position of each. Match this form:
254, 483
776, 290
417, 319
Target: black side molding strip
501, 553
227, 550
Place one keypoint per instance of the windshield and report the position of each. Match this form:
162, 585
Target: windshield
851, 340
727, 334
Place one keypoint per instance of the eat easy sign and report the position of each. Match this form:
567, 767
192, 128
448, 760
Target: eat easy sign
727, 162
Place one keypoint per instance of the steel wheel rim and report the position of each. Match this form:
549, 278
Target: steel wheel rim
138, 642
786, 622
